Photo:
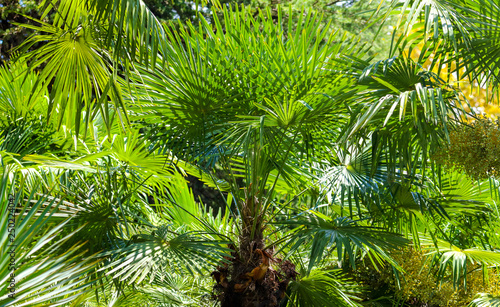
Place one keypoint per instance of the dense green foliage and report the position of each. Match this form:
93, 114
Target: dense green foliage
323, 156
350, 16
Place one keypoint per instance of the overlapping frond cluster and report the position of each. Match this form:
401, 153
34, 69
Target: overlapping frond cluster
321, 157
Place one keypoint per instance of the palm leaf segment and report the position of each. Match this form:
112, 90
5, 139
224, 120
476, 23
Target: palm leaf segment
147, 255
466, 32
399, 88
457, 259
344, 236
485, 300
32, 234
354, 177
81, 63
407, 111
324, 288
16, 83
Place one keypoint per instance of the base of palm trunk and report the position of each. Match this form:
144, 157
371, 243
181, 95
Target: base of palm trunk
253, 278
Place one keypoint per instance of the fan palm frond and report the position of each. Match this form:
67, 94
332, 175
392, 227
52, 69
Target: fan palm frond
223, 82
32, 270
164, 249
485, 300
343, 236
457, 258
467, 31
323, 288
16, 83
457, 193
355, 179
75, 52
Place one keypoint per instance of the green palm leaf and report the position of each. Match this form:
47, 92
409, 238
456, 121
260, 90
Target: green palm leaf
16, 84
467, 29
79, 73
223, 82
323, 288
485, 300
343, 236
148, 254
457, 258
355, 178
41, 272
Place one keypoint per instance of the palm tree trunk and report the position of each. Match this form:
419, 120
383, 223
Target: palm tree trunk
256, 279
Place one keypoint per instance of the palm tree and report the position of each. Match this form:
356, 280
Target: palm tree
321, 157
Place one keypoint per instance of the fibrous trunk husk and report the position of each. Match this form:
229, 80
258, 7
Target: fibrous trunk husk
253, 278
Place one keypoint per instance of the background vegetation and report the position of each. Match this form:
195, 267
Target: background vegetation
334, 152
